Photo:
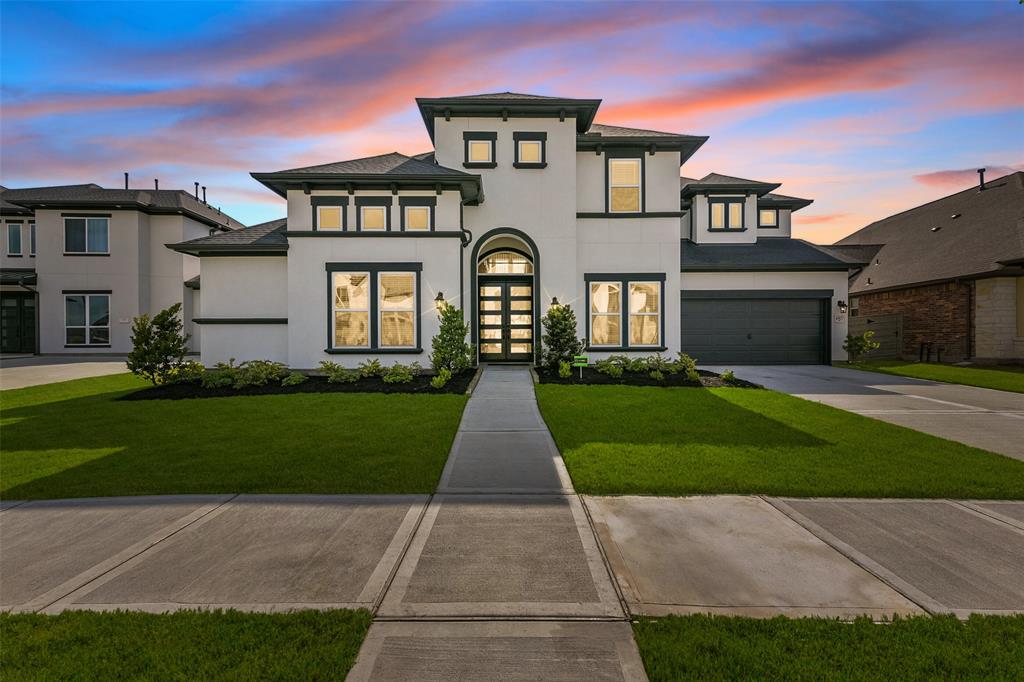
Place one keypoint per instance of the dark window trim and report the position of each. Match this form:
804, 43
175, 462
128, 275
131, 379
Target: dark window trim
64, 234
624, 279
75, 292
373, 201
756, 293
610, 154
476, 135
429, 202
240, 320
317, 202
373, 269
767, 227
8, 221
65, 293
439, 234
650, 214
21, 238
742, 201
530, 136
86, 345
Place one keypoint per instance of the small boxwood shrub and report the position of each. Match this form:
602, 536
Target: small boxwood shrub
294, 379
186, 372
609, 366
336, 374
401, 374
564, 369
371, 368
259, 373
657, 375
728, 376
441, 379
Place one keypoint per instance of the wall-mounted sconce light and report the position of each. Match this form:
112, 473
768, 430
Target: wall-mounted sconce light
842, 307
439, 301
554, 301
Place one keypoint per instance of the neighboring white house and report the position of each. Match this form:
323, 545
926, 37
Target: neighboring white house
79, 262
524, 201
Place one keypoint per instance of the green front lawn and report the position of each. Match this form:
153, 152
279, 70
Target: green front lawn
1002, 378
73, 439
187, 645
920, 648
621, 440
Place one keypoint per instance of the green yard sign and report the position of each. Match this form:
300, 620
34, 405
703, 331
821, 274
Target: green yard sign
579, 361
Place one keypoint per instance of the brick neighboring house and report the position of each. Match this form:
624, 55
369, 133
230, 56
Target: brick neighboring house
944, 280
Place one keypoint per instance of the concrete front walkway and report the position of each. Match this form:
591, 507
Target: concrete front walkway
33, 370
981, 417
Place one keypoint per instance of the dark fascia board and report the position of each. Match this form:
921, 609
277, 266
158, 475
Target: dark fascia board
379, 234
648, 214
686, 145
792, 204
128, 206
755, 293
201, 250
15, 211
1003, 272
469, 185
759, 188
809, 267
583, 110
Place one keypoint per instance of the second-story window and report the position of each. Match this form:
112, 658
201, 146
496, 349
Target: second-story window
417, 213
768, 217
373, 214
14, 239
624, 185
87, 235
726, 213
530, 149
479, 149
32, 240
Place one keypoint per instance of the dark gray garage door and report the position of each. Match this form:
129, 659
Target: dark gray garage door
754, 330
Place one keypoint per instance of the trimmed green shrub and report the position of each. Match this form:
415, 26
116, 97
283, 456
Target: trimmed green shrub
564, 369
336, 374
441, 379
609, 366
657, 375
683, 364
857, 346
401, 374
450, 350
691, 375
259, 373
728, 376
294, 379
371, 368
560, 338
188, 371
158, 345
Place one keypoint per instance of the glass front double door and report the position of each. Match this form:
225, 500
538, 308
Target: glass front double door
506, 319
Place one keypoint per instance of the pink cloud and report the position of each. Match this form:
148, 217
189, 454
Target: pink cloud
965, 177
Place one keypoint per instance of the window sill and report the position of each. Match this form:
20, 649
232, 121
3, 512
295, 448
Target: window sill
14, 255
727, 229
86, 345
373, 351
479, 164
87, 254
629, 349
767, 227
529, 165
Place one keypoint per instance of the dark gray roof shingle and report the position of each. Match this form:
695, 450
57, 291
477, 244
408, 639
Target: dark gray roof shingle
767, 253
268, 236
17, 276
146, 200
976, 231
382, 164
620, 131
500, 96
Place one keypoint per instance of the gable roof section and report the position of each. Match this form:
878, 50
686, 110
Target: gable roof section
373, 172
149, 201
767, 253
716, 182
600, 136
773, 200
515, 104
7, 208
927, 244
264, 239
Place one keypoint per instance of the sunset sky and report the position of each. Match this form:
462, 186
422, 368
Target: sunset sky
868, 108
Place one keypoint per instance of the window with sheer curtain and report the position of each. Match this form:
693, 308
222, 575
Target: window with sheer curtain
397, 295
605, 314
625, 311
351, 309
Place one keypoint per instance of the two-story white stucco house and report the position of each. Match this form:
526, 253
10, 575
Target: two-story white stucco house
79, 262
524, 201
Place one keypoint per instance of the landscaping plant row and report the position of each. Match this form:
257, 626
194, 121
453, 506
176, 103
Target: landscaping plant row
652, 370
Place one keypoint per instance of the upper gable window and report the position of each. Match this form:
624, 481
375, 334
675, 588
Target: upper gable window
479, 149
417, 213
329, 217
373, 217
624, 185
87, 235
726, 213
768, 217
531, 149
373, 214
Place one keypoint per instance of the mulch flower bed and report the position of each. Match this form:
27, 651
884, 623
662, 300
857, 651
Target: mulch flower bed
592, 377
314, 384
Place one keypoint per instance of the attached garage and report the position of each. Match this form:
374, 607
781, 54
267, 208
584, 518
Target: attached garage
756, 327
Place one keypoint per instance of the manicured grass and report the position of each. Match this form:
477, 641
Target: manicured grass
920, 648
1002, 378
73, 439
680, 441
187, 645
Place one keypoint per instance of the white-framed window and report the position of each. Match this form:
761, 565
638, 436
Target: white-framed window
396, 309
32, 240
726, 213
530, 151
606, 314
417, 217
329, 217
14, 239
624, 185
480, 151
350, 292
373, 217
87, 319
768, 217
87, 235
644, 314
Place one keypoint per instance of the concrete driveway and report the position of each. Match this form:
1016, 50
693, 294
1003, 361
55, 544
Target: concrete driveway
32, 370
981, 417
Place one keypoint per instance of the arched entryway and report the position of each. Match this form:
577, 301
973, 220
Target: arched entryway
505, 293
